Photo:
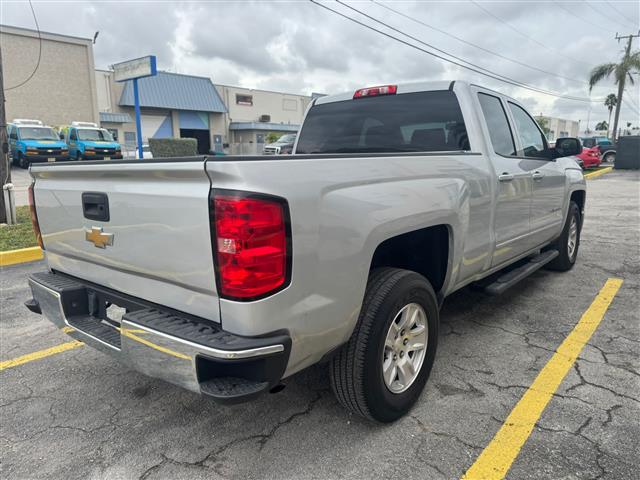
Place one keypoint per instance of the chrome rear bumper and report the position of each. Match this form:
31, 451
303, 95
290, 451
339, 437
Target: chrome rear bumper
190, 352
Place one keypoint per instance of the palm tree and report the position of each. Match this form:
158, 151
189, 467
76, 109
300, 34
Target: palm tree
622, 72
610, 102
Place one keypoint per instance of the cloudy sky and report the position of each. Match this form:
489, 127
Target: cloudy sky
299, 47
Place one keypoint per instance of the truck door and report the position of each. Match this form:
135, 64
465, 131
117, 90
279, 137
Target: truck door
12, 133
513, 181
548, 193
72, 142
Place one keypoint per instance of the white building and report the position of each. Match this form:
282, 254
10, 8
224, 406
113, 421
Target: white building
559, 127
252, 114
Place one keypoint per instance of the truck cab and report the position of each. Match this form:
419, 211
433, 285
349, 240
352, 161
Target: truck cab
87, 141
31, 141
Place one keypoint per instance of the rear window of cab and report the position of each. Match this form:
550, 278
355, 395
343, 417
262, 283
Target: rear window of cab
410, 122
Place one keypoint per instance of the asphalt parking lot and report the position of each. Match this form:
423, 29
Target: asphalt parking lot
80, 414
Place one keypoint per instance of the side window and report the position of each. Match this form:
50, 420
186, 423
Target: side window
13, 133
72, 134
499, 130
531, 138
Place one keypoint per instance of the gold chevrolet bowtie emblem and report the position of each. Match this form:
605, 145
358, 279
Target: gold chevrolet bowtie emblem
98, 238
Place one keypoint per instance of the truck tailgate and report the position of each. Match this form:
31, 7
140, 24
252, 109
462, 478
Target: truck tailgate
160, 249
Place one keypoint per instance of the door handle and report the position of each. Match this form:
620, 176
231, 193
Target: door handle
505, 177
538, 175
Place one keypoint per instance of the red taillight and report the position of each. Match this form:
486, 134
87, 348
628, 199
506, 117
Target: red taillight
250, 245
376, 91
34, 217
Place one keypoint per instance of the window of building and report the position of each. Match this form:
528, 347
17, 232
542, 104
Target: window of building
244, 99
498, 125
130, 138
531, 138
113, 132
289, 105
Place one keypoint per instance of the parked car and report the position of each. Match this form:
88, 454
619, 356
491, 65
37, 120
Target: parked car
30, 141
579, 161
606, 148
234, 273
284, 145
590, 157
86, 141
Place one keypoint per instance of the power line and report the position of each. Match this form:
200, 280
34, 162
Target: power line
624, 15
601, 13
444, 32
519, 32
473, 68
574, 14
39, 52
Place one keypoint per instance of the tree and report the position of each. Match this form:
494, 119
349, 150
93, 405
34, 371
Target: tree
610, 102
272, 137
621, 72
603, 125
544, 125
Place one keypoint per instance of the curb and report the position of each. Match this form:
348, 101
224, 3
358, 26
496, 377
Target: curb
23, 255
597, 173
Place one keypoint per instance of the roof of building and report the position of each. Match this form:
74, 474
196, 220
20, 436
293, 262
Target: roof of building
34, 33
176, 92
249, 90
110, 117
274, 127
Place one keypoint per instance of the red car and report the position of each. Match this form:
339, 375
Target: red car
590, 157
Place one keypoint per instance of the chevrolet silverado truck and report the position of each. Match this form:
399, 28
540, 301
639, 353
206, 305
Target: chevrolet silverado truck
226, 275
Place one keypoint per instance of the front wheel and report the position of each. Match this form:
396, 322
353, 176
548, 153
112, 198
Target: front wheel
23, 161
380, 373
568, 242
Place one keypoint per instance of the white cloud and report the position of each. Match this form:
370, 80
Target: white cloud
299, 47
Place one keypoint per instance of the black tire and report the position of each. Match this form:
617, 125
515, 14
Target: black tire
564, 262
356, 370
78, 157
23, 161
609, 157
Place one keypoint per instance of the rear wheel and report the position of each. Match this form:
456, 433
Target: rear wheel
568, 242
382, 370
609, 157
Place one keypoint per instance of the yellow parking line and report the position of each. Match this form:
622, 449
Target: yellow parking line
30, 357
22, 255
496, 459
597, 173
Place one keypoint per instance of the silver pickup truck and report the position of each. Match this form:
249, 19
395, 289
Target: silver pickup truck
226, 275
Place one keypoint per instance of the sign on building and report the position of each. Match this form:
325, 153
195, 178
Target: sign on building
136, 68
133, 70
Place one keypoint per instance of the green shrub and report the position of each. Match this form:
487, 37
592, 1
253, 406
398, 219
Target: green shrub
272, 137
173, 147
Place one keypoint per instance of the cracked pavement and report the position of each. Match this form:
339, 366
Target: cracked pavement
81, 414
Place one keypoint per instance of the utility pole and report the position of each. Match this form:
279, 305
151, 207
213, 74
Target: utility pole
5, 169
622, 81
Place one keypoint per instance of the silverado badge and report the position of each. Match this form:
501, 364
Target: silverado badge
98, 238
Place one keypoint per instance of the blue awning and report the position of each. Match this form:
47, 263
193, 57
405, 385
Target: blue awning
272, 127
175, 92
109, 117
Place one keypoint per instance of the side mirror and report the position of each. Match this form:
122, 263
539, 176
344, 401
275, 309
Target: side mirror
567, 147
